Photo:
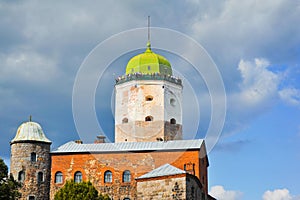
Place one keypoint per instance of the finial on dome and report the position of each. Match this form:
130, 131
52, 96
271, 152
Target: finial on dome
148, 43
30, 118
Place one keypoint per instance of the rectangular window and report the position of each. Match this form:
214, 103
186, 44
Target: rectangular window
31, 198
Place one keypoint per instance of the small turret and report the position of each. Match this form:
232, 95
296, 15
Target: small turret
30, 161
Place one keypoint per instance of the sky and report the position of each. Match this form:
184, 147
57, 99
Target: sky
255, 46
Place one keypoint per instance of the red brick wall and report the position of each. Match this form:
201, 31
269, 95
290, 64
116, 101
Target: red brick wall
93, 167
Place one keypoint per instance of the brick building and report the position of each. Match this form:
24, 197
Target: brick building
149, 159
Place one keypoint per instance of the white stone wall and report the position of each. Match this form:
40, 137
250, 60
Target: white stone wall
131, 106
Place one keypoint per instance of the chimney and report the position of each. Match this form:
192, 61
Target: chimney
100, 139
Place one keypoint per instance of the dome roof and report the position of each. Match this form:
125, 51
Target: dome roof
149, 63
30, 131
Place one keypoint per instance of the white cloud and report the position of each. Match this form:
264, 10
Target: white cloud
259, 84
279, 194
220, 193
290, 96
257, 92
27, 66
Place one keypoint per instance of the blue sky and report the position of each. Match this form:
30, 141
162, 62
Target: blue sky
255, 45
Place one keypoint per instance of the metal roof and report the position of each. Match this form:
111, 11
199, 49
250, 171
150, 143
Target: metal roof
73, 147
30, 131
164, 170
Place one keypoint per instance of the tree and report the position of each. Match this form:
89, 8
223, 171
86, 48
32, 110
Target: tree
79, 191
8, 186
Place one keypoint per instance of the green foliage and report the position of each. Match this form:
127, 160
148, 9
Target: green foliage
8, 186
79, 191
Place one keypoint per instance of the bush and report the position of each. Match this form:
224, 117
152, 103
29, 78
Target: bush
79, 191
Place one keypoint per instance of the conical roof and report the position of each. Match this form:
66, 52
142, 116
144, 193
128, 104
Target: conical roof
149, 63
30, 131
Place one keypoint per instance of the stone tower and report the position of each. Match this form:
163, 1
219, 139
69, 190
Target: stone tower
148, 100
30, 161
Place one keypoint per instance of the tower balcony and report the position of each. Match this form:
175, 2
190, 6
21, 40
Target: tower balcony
154, 76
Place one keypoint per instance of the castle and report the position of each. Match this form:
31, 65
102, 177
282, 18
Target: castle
149, 159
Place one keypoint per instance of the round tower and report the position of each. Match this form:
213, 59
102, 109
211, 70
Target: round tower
148, 100
30, 161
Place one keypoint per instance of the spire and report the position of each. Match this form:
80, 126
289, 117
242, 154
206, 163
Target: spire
148, 29
148, 43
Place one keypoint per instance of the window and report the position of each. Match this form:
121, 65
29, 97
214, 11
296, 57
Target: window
126, 198
149, 68
108, 177
21, 176
149, 98
31, 198
58, 177
33, 157
126, 176
40, 177
148, 118
173, 121
173, 102
125, 120
78, 177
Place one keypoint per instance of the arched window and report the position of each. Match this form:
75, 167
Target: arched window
21, 176
149, 119
33, 157
40, 177
125, 120
149, 98
58, 177
126, 176
78, 177
173, 121
108, 177
126, 198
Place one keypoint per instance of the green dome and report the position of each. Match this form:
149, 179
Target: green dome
149, 63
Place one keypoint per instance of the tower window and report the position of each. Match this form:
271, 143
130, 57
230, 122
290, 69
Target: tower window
173, 102
33, 157
149, 119
173, 121
126, 176
108, 177
58, 177
125, 120
149, 98
40, 177
149, 68
21, 176
78, 177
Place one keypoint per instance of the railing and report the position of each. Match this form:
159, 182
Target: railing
155, 76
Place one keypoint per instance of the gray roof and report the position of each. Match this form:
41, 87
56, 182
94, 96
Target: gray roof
30, 131
72, 147
164, 170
